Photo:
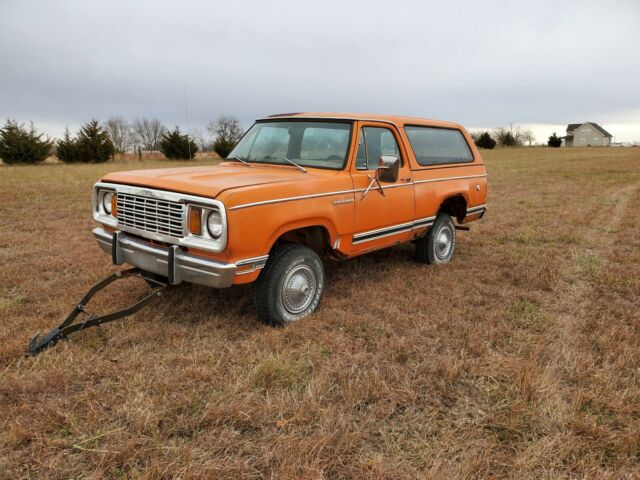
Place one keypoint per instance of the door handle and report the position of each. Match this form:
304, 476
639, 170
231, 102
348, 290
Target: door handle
408, 179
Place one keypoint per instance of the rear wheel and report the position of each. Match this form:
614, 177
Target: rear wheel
290, 286
439, 244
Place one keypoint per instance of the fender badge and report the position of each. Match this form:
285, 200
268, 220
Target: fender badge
342, 201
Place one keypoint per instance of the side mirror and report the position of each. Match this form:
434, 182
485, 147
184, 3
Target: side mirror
388, 168
387, 171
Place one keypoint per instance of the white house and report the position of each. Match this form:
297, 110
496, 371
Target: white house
586, 134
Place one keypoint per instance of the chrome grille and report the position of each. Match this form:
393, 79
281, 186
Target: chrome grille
151, 214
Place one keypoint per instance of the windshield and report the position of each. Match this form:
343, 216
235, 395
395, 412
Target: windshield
309, 144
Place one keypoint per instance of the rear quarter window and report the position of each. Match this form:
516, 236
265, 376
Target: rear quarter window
437, 146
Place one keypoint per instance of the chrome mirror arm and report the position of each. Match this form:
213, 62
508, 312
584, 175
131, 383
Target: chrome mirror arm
373, 180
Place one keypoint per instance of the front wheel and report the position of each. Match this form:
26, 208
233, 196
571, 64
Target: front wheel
290, 286
438, 245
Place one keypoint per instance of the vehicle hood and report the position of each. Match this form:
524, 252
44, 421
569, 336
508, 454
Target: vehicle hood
207, 181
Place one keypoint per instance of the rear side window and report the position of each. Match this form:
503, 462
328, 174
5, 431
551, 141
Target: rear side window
435, 146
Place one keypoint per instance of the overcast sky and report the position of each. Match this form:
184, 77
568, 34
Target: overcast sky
481, 63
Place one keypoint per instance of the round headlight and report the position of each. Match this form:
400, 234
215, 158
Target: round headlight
106, 202
214, 224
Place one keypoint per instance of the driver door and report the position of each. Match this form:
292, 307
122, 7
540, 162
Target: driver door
381, 220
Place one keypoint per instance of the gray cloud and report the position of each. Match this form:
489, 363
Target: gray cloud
478, 63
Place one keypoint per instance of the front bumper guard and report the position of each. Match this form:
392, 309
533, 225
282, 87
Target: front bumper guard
171, 262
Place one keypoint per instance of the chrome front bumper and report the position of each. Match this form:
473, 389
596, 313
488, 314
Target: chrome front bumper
171, 262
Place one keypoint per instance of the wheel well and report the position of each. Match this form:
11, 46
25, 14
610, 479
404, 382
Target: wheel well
315, 237
455, 206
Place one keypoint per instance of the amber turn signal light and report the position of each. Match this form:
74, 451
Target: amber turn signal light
195, 221
114, 205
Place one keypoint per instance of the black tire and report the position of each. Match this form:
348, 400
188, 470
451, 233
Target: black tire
439, 243
290, 286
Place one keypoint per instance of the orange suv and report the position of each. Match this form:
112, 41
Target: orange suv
298, 188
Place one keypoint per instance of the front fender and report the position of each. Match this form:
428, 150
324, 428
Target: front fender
322, 222
253, 231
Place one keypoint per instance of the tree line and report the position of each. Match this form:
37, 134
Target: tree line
97, 142
511, 136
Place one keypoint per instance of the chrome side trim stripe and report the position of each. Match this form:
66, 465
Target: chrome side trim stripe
290, 199
423, 222
477, 207
475, 210
392, 230
386, 187
375, 236
381, 230
449, 178
343, 192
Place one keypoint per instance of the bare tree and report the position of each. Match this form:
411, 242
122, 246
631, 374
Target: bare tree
120, 134
516, 133
199, 137
528, 136
504, 137
511, 136
227, 131
226, 127
148, 132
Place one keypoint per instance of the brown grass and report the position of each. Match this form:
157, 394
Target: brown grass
520, 359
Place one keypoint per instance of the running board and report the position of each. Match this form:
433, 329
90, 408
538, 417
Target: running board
67, 327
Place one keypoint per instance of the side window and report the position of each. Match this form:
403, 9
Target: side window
434, 146
373, 143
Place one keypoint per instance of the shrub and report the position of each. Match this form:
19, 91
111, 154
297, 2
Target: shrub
511, 136
93, 143
21, 145
554, 141
176, 146
485, 141
507, 139
223, 147
67, 149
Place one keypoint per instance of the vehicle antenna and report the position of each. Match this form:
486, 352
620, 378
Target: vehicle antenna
186, 112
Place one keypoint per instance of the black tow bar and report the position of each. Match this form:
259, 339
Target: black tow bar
38, 344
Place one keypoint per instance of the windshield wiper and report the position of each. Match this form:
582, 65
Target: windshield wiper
295, 164
239, 159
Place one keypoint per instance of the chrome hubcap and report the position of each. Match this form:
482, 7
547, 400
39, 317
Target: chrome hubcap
443, 242
298, 289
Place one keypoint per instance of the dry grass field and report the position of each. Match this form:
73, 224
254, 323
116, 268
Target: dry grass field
519, 359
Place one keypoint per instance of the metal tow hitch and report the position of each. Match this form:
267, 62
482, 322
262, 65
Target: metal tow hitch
37, 343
